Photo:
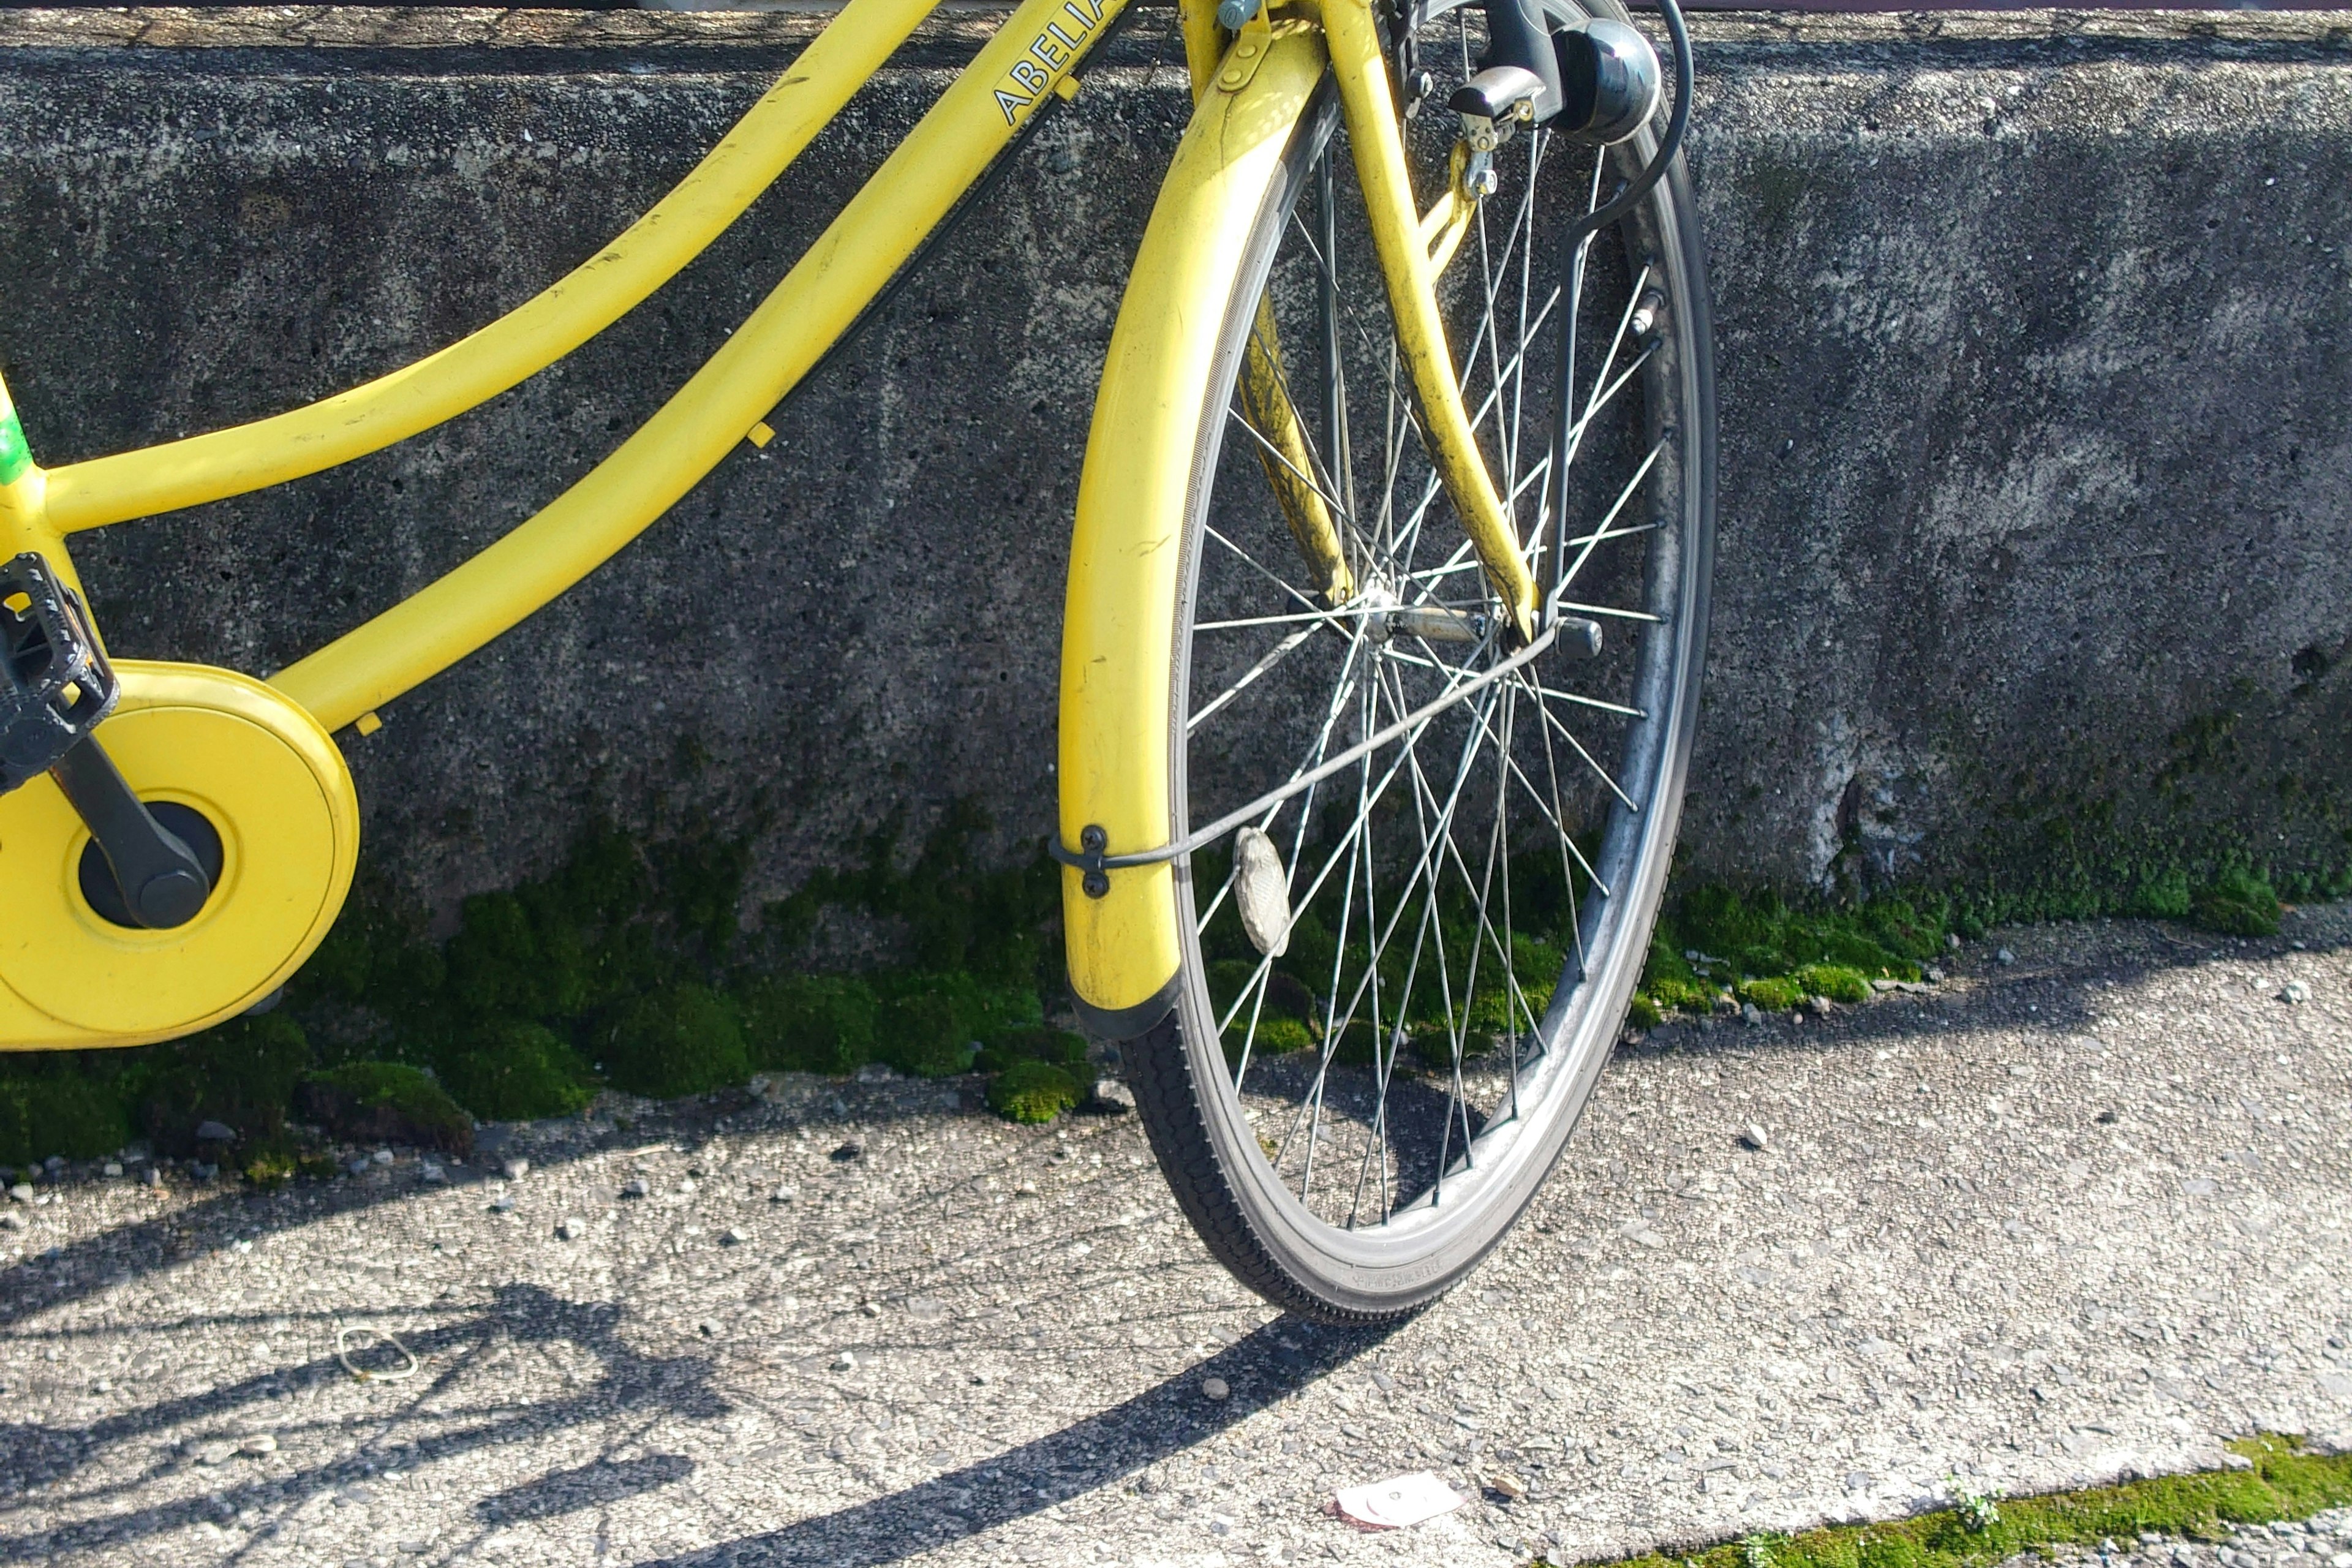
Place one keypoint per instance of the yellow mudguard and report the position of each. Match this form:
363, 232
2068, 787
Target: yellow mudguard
1117, 633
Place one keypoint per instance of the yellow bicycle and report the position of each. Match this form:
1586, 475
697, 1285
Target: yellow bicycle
1386, 609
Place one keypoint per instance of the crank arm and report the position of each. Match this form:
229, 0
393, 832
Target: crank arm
162, 881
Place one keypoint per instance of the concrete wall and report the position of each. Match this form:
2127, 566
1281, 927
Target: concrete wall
2036, 379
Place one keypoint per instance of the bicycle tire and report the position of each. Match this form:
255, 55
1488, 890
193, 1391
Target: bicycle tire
1190, 1071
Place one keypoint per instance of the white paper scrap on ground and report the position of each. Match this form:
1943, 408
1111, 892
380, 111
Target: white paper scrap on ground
1399, 1502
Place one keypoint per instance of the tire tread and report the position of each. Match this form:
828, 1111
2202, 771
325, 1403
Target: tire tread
1170, 1103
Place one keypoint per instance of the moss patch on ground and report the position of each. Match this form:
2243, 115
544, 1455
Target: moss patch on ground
1715, 943
2285, 1481
385, 1103
625, 967
1032, 1091
628, 966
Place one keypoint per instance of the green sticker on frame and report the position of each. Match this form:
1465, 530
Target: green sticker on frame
14, 455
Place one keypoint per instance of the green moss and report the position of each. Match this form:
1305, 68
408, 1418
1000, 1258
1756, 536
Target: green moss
2162, 894
271, 1168
391, 1084
376, 954
1685, 994
1838, 981
1776, 994
996, 925
2237, 902
682, 1040
2286, 1481
59, 1113
1280, 1035
1433, 1047
1063, 1051
1033, 1091
1286, 1014
629, 953
1775, 954
1058, 1046
930, 1025
519, 954
505, 1069
921, 1034
242, 1074
388, 1101
1228, 978
1359, 1043
808, 1023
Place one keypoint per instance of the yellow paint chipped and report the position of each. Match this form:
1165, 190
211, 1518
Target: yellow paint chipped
368, 723
761, 434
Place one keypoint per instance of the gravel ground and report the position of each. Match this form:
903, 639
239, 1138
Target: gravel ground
2065, 1218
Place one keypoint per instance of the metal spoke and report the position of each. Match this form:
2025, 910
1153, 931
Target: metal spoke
1642, 615
1553, 722
1310, 480
1255, 564
1281, 651
1593, 702
1616, 507
1343, 613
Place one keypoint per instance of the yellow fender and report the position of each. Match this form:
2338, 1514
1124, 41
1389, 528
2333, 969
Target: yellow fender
267, 777
1118, 630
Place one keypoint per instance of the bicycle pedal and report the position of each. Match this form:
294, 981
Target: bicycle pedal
55, 683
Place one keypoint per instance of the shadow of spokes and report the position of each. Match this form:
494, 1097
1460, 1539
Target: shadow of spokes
1172, 1416
589, 1485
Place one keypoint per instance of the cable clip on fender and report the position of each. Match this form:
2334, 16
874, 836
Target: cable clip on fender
1088, 857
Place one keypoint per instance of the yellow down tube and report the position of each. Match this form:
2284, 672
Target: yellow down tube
848, 265
524, 342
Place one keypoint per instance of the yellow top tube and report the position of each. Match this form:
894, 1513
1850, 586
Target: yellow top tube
519, 345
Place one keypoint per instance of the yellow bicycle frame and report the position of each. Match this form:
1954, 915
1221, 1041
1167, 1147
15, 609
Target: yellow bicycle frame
1027, 60
224, 743
1251, 90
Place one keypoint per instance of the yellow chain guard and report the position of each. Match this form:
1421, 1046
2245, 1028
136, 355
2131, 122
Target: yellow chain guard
268, 778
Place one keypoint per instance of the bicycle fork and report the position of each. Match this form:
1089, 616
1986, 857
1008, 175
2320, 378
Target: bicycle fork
1597, 85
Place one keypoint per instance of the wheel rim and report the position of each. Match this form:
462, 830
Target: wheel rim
1466, 904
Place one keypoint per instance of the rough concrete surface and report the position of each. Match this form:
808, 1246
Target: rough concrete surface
2037, 438
2078, 1215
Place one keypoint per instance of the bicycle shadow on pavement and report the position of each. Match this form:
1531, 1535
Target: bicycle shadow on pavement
224, 1215
37, 1455
1261, 1369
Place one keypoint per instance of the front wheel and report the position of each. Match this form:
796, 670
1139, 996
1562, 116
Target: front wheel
1399, 972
